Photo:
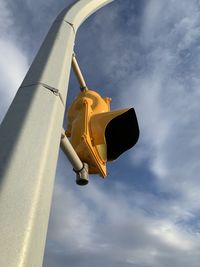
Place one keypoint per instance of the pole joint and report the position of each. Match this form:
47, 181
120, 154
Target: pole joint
54, 90
82, 177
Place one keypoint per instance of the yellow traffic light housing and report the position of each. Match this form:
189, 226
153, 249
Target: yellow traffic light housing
97, 134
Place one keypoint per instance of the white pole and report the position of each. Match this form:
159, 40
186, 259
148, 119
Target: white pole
30, 140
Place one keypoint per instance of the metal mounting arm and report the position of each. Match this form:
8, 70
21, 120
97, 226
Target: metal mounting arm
78, 74
80, 168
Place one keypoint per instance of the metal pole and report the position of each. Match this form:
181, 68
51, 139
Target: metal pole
30, 140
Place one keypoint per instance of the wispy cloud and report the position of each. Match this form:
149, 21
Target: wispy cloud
110, 229
167, 100
13, 62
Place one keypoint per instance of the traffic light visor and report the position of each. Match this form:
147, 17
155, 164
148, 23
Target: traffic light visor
121, 133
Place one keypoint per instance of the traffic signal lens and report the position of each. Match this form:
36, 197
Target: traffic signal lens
121, 134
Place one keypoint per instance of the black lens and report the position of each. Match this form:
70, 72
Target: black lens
121, 134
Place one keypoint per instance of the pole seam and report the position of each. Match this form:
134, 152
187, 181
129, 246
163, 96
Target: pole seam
54, 90
71, 24
65, 21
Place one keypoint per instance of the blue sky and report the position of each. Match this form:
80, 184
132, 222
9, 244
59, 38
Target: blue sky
144, 54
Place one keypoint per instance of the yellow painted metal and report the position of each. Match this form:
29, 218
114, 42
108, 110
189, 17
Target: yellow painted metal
88, 117
79, 116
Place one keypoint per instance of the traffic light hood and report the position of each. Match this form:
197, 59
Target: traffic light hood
121, 133
117, 129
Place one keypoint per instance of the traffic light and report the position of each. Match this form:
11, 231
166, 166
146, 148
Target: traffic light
97, 134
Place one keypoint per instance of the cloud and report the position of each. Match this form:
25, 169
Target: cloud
105, 228
13, 62
5, 20
167, 95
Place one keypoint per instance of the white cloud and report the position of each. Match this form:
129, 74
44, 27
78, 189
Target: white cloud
13, 62
108, 229
6, 21
172, 236
167, 95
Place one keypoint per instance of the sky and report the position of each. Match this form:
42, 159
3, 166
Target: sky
141, 53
